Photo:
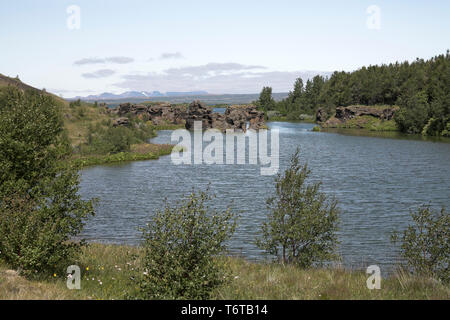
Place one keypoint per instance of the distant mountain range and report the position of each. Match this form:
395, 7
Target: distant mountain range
138, 95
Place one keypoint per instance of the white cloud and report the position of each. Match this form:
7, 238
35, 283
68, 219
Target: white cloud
103, 73
117, 60
216, 78
88, 61
171, 55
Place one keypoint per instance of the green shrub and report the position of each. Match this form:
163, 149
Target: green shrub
436, 127
104, 139
425, 245
180, 245
40, 209
301, 226
413, 116
118, 139
316, 129
75, 103
446, 131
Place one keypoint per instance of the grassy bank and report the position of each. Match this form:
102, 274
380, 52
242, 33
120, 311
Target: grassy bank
169, 126
106, 272
286, 119
275, 116
139, 153
96, 141
369, 123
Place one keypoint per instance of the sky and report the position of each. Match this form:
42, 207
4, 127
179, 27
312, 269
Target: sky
87, 47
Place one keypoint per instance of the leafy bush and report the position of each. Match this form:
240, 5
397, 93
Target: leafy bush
40, 209
76, 103
446, 131
436, 127
110, 140
302, 223
180, 246
425, 245
120, 157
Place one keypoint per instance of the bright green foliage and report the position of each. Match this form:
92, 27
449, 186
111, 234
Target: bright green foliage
425, 245
180, 243
112, 140
303, 100
302, 224
40, 209
420, 89
121, 157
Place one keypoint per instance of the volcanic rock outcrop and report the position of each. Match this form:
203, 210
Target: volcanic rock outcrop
321, 115
158, 114
343, 114
235, 117
123, 121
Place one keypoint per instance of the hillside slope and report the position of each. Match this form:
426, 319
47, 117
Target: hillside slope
92, 134
17, 83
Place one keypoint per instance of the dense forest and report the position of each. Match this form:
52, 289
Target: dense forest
420, 89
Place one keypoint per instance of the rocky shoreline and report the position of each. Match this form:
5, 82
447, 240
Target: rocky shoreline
356, 116
236, 117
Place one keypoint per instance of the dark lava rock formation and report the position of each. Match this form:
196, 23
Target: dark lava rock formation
236, 117
343, 114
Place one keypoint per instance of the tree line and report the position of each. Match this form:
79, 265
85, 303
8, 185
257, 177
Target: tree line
419, 88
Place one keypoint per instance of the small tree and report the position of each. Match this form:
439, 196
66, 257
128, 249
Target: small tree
40, 207
265, 101
302, 223
425, 245
296, 96
180, 245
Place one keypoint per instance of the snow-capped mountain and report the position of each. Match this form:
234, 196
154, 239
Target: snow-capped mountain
138, 94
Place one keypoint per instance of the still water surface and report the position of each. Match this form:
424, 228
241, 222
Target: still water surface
376, 180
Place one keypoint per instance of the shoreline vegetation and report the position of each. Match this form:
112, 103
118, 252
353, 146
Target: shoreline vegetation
419, 90
186, 258
106, 272
96, 138
158, 150
95, 141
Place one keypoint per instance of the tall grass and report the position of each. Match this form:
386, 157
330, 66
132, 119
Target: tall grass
107, 271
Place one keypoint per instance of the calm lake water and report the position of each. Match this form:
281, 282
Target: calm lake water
376, 180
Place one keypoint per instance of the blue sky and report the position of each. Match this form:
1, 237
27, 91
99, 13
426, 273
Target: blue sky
217, 46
